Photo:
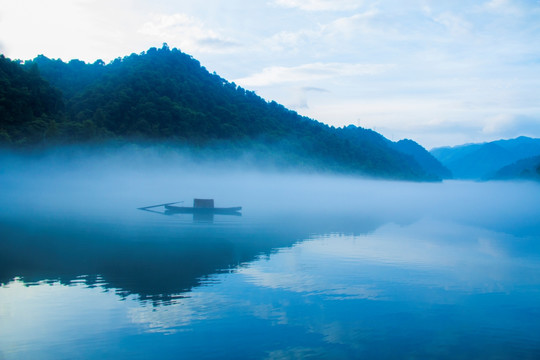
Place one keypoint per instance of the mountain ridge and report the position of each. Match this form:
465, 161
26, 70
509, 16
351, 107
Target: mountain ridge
164, 95
525, 169
483, 160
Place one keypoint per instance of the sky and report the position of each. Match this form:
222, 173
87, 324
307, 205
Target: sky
442, 72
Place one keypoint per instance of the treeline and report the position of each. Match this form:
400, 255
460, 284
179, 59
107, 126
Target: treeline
29, 106
164, 95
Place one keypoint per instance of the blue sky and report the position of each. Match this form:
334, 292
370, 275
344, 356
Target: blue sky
439, 72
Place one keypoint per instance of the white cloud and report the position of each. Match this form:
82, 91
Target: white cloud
292, 39
508, 125
455, 24
187, 32
310, 73
497, 123
329, 35
66, 29
300, 98
507, 7
321, 5
496, 4
309, 284
357, 24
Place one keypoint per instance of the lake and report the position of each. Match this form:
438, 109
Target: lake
320, 267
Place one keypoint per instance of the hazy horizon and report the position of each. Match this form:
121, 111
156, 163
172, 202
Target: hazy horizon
147, 175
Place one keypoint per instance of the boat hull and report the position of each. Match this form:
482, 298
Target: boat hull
200, 210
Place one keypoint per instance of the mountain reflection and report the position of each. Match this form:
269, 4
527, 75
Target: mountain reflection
297, 290
155, 260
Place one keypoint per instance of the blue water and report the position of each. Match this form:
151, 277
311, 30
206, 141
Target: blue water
453, 275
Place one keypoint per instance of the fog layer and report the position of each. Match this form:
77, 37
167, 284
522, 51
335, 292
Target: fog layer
84, 185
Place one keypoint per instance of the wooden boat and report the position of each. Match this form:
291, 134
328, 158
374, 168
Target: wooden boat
200, 206
192, 210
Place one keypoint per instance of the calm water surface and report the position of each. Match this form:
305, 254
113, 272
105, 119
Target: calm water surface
434, 271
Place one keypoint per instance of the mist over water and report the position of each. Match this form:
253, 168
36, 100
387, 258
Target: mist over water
317, 265
82, 183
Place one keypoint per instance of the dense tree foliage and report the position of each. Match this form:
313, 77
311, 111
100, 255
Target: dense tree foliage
166, 95
423, 157
29, 106
526, 169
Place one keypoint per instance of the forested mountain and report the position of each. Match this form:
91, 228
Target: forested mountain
423, 157
482, 161
164, 95
28, 104
527, 169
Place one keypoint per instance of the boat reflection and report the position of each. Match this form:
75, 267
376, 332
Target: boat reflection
154, 258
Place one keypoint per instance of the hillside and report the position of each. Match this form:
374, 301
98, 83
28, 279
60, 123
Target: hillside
423, 157
526, 169
164, 95
28, 104
482, 161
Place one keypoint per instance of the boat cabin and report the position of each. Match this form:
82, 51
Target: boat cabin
203, 203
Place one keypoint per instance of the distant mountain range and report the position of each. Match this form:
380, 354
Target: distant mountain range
166, 96
528, 169
512, 158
